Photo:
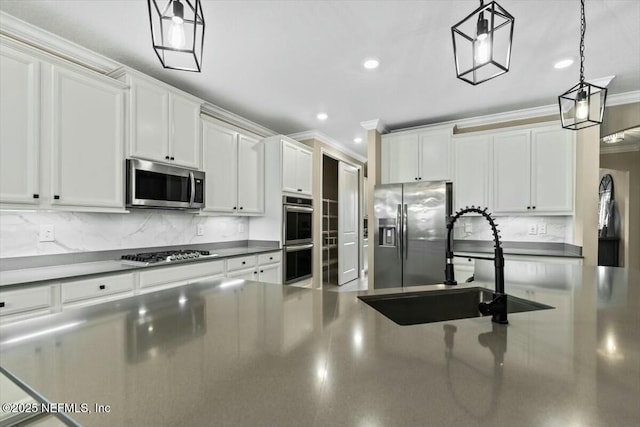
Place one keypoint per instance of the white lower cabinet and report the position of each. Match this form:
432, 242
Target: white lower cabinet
262, 268
27, 302
171, 276
96, 289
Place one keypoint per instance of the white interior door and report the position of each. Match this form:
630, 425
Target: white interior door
347, 223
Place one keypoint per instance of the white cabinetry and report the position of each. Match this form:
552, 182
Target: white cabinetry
263, 268
472, 177
95, 290
61, 133
30, 301
156, 279
533, 171
87, 138
416, 156
297, 168
164, 123
19, 127
234, 164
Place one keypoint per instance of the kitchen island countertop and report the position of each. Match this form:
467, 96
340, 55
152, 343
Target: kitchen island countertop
242, 353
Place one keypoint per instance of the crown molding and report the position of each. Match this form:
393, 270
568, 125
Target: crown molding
619, 149
373, 124
326, 139
21, 31
623, 98
236, 120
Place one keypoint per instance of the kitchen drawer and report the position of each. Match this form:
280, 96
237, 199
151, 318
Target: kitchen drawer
240, 263
178, 273
96, 287
28, 299
270, 258
245, 274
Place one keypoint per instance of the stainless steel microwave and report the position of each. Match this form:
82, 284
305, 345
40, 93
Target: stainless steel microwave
154, 185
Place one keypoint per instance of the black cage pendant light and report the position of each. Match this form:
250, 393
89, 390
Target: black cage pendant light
177, 33
482, 43
582, 106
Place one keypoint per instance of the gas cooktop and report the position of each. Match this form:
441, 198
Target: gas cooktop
147, 258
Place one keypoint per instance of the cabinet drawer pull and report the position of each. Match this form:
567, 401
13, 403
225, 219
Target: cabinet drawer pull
56, 197
241, 208
1, 304
234, 208
166, 157
528, 207
36, 196
102, 287
533, 207
261, 271
299, 189
172, 158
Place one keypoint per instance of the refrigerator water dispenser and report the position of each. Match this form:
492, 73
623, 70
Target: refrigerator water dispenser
387, 232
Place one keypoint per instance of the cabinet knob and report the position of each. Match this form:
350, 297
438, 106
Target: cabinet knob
419, 178
528, 207
166, 157
36, 196
270, 257
172, 158
415, 179
1, 304
102, 287
261, 271
534, 207
299, 189
56, 197
255, 272
234, 208
244, 262
241, 208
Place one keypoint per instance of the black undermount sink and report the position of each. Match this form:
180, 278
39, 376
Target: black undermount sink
412, 308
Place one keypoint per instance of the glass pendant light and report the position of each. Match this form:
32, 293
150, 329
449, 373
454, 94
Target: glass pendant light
582, 106
482, 43
177, 32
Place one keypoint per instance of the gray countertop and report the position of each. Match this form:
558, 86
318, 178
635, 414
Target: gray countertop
241, 353
35, 275
548, 249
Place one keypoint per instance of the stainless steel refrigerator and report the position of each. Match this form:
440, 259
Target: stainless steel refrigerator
410, 233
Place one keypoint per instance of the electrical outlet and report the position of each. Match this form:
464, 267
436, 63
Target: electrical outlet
240, 228
533, 229
47, 233
542, 228
200, 230
468, 228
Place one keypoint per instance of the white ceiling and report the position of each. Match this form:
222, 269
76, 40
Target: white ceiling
279, 63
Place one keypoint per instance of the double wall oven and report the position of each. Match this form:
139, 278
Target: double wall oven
297, 238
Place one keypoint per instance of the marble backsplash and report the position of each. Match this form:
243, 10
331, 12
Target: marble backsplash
87, 232
559, 229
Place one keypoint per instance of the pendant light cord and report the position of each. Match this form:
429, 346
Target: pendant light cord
583, 30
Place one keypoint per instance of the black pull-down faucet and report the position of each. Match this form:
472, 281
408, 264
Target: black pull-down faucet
498, 306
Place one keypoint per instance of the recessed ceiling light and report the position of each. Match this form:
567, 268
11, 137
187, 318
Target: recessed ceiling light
357, 140
371, 63
563, 64
322, 116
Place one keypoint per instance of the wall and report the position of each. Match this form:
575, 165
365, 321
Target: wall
516, 229
587, 182
630, 162
83, 232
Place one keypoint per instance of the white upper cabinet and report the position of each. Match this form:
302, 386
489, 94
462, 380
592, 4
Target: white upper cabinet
416, 156
297, 168
534, 171
512, 172
86, 115
62, 131
552, 170
164, 123
19, 127
472, 165
234, 167
250, 175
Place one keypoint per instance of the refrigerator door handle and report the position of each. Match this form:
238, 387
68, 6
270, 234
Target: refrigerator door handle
398, 231
405, 232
